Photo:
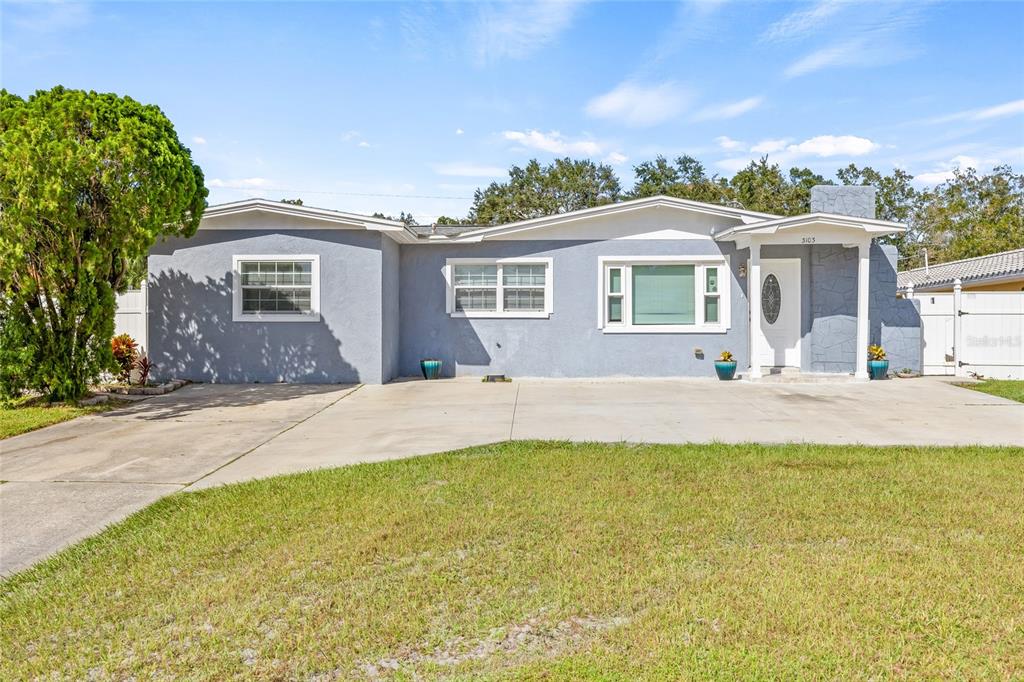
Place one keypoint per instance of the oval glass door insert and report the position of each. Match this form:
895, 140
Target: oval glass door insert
771, 299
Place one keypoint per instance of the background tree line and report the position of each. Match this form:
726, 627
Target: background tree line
971, 214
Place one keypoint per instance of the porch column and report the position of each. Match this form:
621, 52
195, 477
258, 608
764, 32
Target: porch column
863, 321
754, 290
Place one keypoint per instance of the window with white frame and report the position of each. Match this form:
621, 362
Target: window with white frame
499, 288
273, 288
664, 295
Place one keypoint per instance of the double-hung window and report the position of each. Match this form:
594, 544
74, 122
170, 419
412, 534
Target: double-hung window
273, 288
511, 287
663, 294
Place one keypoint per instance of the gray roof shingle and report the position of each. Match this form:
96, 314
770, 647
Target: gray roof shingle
968, 269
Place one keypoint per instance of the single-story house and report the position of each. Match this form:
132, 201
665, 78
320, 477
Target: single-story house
656, 287
1002, 271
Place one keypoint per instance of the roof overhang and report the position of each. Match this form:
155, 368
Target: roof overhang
611, 209
810, 228
328, 218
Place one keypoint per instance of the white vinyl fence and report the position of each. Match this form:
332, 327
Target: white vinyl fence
130, 317
969, 332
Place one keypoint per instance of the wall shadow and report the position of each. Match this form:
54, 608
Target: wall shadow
192, 336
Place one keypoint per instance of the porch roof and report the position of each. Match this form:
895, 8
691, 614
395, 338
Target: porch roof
830, 224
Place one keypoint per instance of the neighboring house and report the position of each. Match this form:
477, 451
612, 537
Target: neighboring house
996, 272
655, 287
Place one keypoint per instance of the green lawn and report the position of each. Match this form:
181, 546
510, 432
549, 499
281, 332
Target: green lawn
29, 414
1004, 388
553, 561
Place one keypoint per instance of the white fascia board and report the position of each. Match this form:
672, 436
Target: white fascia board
612, 209
280, 208
867, 225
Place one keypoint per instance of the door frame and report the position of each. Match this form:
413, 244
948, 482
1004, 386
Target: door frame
799, 309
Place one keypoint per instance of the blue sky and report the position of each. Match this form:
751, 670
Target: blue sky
391, 107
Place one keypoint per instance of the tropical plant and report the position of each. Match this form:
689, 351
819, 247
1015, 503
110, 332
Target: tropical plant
726, 356
88, 182
126, 354
876, 353
144, 366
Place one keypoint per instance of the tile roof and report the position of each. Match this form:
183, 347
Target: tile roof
968, 269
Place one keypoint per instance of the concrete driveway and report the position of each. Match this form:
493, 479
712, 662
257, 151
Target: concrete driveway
69, 481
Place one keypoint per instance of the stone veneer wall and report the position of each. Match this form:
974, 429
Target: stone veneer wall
853, 200
894, 323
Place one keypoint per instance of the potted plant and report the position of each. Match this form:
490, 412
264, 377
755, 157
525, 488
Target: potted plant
725, 366
431, 368
878, 365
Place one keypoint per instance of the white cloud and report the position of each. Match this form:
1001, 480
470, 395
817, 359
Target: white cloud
802, 23
364, 144
240, 183
616, 159
553, 142
199, 140
842, 54
47, 17
769, 146
729, 110
469, 170
459, 131
858, 34
517, 30
833, 145
728, 143
350, 135
640, 105
1000, 110
1003, 110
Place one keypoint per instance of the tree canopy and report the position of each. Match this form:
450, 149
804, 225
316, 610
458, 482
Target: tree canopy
970, 214
534, 191
88, 182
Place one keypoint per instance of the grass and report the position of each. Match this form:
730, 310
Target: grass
554, 561
1004, 388
31, 413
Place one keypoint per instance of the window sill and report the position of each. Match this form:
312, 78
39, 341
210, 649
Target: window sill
666, 329
312, 317
484, 315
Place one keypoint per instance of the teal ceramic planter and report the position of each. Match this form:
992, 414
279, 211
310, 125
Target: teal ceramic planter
725, 370
878, 369
431, 368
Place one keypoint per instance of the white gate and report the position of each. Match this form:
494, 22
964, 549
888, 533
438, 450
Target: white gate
973, 332
130, 317
937, 313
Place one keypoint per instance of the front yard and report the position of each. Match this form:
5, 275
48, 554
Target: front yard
28, 414
1004, 388
535, 560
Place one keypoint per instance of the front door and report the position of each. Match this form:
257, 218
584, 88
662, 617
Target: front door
780, 312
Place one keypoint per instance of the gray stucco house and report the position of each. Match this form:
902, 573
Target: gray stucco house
655, 287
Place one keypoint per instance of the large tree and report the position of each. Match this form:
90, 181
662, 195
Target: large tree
88, 182
685, 178
897, 200
974, 215
534, 191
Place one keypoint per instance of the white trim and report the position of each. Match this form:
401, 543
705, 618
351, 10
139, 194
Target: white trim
612, 209
236, 289
766, 227
701, 263
863, 308
331, 219
449, 301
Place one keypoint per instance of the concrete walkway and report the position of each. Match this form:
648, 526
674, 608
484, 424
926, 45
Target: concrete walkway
69, 481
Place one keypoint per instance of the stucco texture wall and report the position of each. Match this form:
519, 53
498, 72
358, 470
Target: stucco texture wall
894, 323
569, 343
192, 334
